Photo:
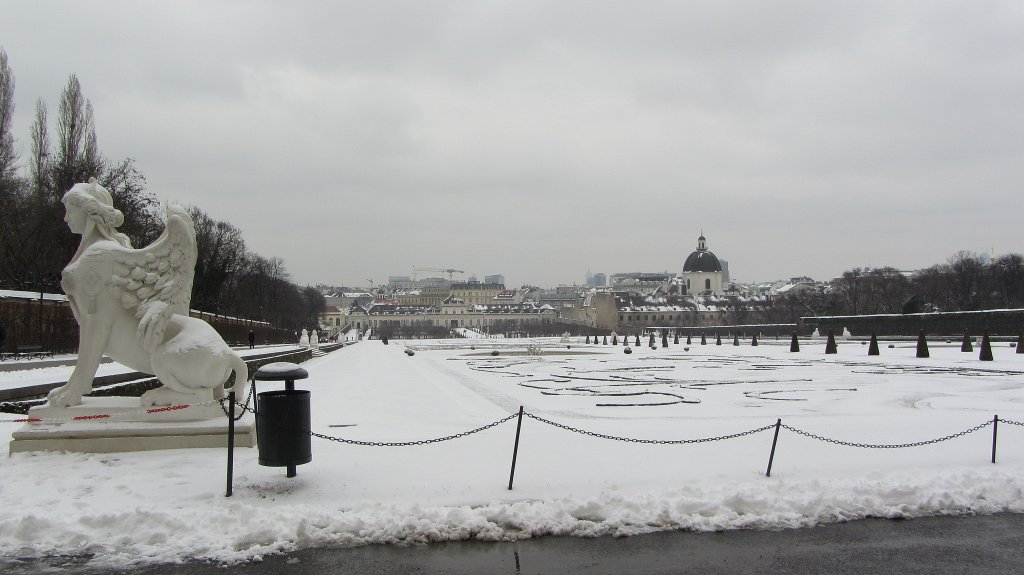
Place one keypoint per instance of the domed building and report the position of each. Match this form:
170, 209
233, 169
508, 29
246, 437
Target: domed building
702, 271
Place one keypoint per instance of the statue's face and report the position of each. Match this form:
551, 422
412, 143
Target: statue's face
75, 218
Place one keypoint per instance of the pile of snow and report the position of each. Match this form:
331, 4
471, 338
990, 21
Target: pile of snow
168, 506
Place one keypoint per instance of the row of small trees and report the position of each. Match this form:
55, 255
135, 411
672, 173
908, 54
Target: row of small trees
35, 244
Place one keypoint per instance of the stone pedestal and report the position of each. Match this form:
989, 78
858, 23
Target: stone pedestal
126, 427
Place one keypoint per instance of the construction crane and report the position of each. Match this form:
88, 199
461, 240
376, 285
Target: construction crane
448, 271
371, 283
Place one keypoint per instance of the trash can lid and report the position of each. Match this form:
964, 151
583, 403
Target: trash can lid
280, 371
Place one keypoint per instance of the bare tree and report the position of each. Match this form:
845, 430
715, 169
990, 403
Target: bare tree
142, 220
932, 286
8, 155
1008, 280
39, 167
312, 305
888, 291
70, 133
849, 290
966, 276
78, 158
221, 250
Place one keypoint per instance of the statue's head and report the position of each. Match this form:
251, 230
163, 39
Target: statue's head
90, 205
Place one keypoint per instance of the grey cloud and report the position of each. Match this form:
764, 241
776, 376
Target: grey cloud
538, 139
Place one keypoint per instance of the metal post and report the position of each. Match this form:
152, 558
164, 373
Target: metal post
289, 385
515, 450
771, 457
231, 439
42, 348
995, 428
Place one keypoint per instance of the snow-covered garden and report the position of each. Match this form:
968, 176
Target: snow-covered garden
157, 506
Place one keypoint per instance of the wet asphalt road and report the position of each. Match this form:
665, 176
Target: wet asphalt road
991, 544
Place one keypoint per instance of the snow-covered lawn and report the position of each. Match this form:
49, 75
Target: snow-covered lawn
170, 505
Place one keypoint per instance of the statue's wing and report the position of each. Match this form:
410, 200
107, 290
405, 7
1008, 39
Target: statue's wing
156, 281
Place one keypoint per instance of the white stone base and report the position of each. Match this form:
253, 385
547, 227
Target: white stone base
127, 429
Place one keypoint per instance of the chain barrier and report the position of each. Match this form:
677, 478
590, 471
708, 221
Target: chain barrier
889, 445
664, 441
650, 441
421, 442
244, 407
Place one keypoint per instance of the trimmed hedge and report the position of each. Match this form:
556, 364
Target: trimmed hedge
1001, 322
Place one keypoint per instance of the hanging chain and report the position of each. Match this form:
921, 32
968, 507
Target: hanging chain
889, 445
650, 441
421, 442
244, 406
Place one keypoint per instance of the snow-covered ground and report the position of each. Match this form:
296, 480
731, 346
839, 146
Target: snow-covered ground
132, 508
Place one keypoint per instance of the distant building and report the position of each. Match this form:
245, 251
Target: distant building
702, 271
405, 283
345, 300
422, 296
640, 282
560, 298
332, 317
495, 279
452, 313
476, 293
689, 311
514, 296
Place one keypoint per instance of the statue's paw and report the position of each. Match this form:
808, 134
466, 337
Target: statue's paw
64, 397
164, 396
153, 398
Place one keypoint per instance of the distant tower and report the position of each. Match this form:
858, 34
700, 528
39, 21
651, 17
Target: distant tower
702, 272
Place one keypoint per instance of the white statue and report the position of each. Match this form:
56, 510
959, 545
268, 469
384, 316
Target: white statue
314, 340
133, 306
304, 338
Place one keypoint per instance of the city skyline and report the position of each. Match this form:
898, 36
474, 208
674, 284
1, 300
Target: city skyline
539, 139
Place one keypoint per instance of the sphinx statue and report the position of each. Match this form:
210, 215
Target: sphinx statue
132, 305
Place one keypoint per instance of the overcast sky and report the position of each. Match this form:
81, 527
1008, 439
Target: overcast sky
538, 140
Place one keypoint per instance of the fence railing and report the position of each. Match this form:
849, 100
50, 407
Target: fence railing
229, 405
777, 426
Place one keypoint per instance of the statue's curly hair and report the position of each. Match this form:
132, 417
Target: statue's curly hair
98, 204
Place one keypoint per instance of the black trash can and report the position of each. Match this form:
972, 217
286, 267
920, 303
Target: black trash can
283, 428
